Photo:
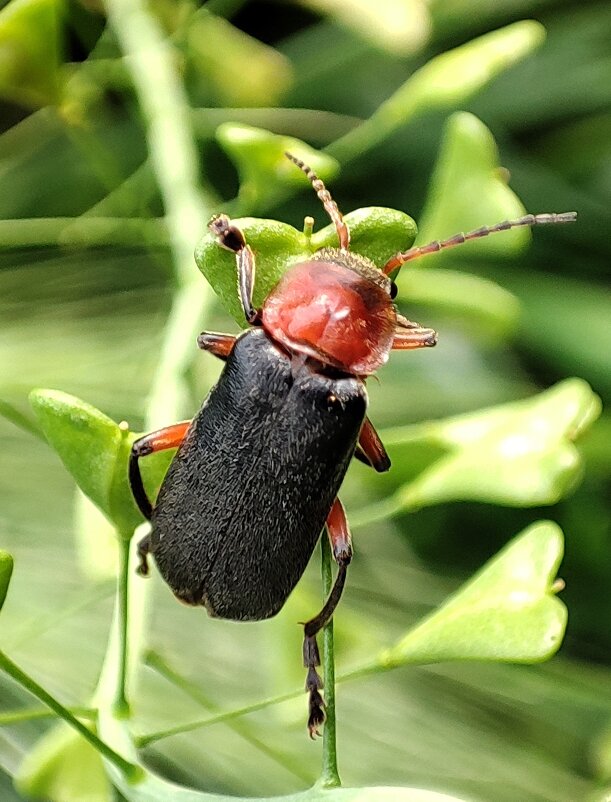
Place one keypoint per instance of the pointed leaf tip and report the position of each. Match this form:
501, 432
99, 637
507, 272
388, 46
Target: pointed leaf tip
519, 454
507, 612
95, 450
6, 571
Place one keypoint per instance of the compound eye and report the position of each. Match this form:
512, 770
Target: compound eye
393, 289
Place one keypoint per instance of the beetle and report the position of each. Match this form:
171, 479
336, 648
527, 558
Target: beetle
257, 471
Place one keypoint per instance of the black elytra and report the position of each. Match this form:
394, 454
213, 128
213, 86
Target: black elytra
247, 495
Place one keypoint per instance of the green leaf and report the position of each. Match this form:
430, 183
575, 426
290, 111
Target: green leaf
446, 81
400, 27
519, 454
507, 612
480, 303
263, 168
156, 789
376, 233
240, 70
63, 767
95, 451
30, 52
6, 570
468, 190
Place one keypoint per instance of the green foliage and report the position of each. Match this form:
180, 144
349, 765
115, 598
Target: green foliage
88, 275
30, 44
95, 450
468, 166
63, 767
259, 157
508, 611
522, 454
6, 570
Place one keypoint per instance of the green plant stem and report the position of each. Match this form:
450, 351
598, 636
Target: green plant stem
157, 663
329, 777
308, 124
374, 667
121, 705
83, 232
27, 714
130, 770
173, 158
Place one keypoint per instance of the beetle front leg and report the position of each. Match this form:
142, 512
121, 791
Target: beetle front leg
231, 238
221, 345
341, 547
413, 336
170, 437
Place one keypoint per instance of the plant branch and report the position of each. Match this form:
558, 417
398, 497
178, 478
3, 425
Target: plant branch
329, 777
130, 770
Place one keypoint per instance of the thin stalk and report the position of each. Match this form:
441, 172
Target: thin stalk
329, 777
28, 714
173, 157
121, 705
241, 728
83, 232
374, 667
130, 770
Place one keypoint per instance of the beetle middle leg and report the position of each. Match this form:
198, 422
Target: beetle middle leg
341, 546
370, 448
170, 437
221, 345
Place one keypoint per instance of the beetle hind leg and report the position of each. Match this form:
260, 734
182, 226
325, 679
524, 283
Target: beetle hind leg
143, 549
339, 537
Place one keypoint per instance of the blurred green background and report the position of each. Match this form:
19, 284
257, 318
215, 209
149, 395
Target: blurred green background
84, 309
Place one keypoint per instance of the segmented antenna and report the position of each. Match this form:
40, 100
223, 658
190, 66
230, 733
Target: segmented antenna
432, 247
327, 201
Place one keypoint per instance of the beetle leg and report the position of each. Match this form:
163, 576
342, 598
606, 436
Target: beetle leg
231, 238
372, 448
170, 437
341, 546
220, 345
416, 337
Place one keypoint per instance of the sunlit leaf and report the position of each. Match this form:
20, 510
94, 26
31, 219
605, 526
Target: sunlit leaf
30, 51
519, 454
508, 611
260, 159
445, 81
95, 451
479, 302
398, 26
469, 190
63, 767
243, 71
6, 570
376, 233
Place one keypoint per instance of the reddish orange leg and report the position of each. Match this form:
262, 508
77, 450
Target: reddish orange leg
171, 437
220, 345
231, 238
370, 449
408, 338
341, 546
